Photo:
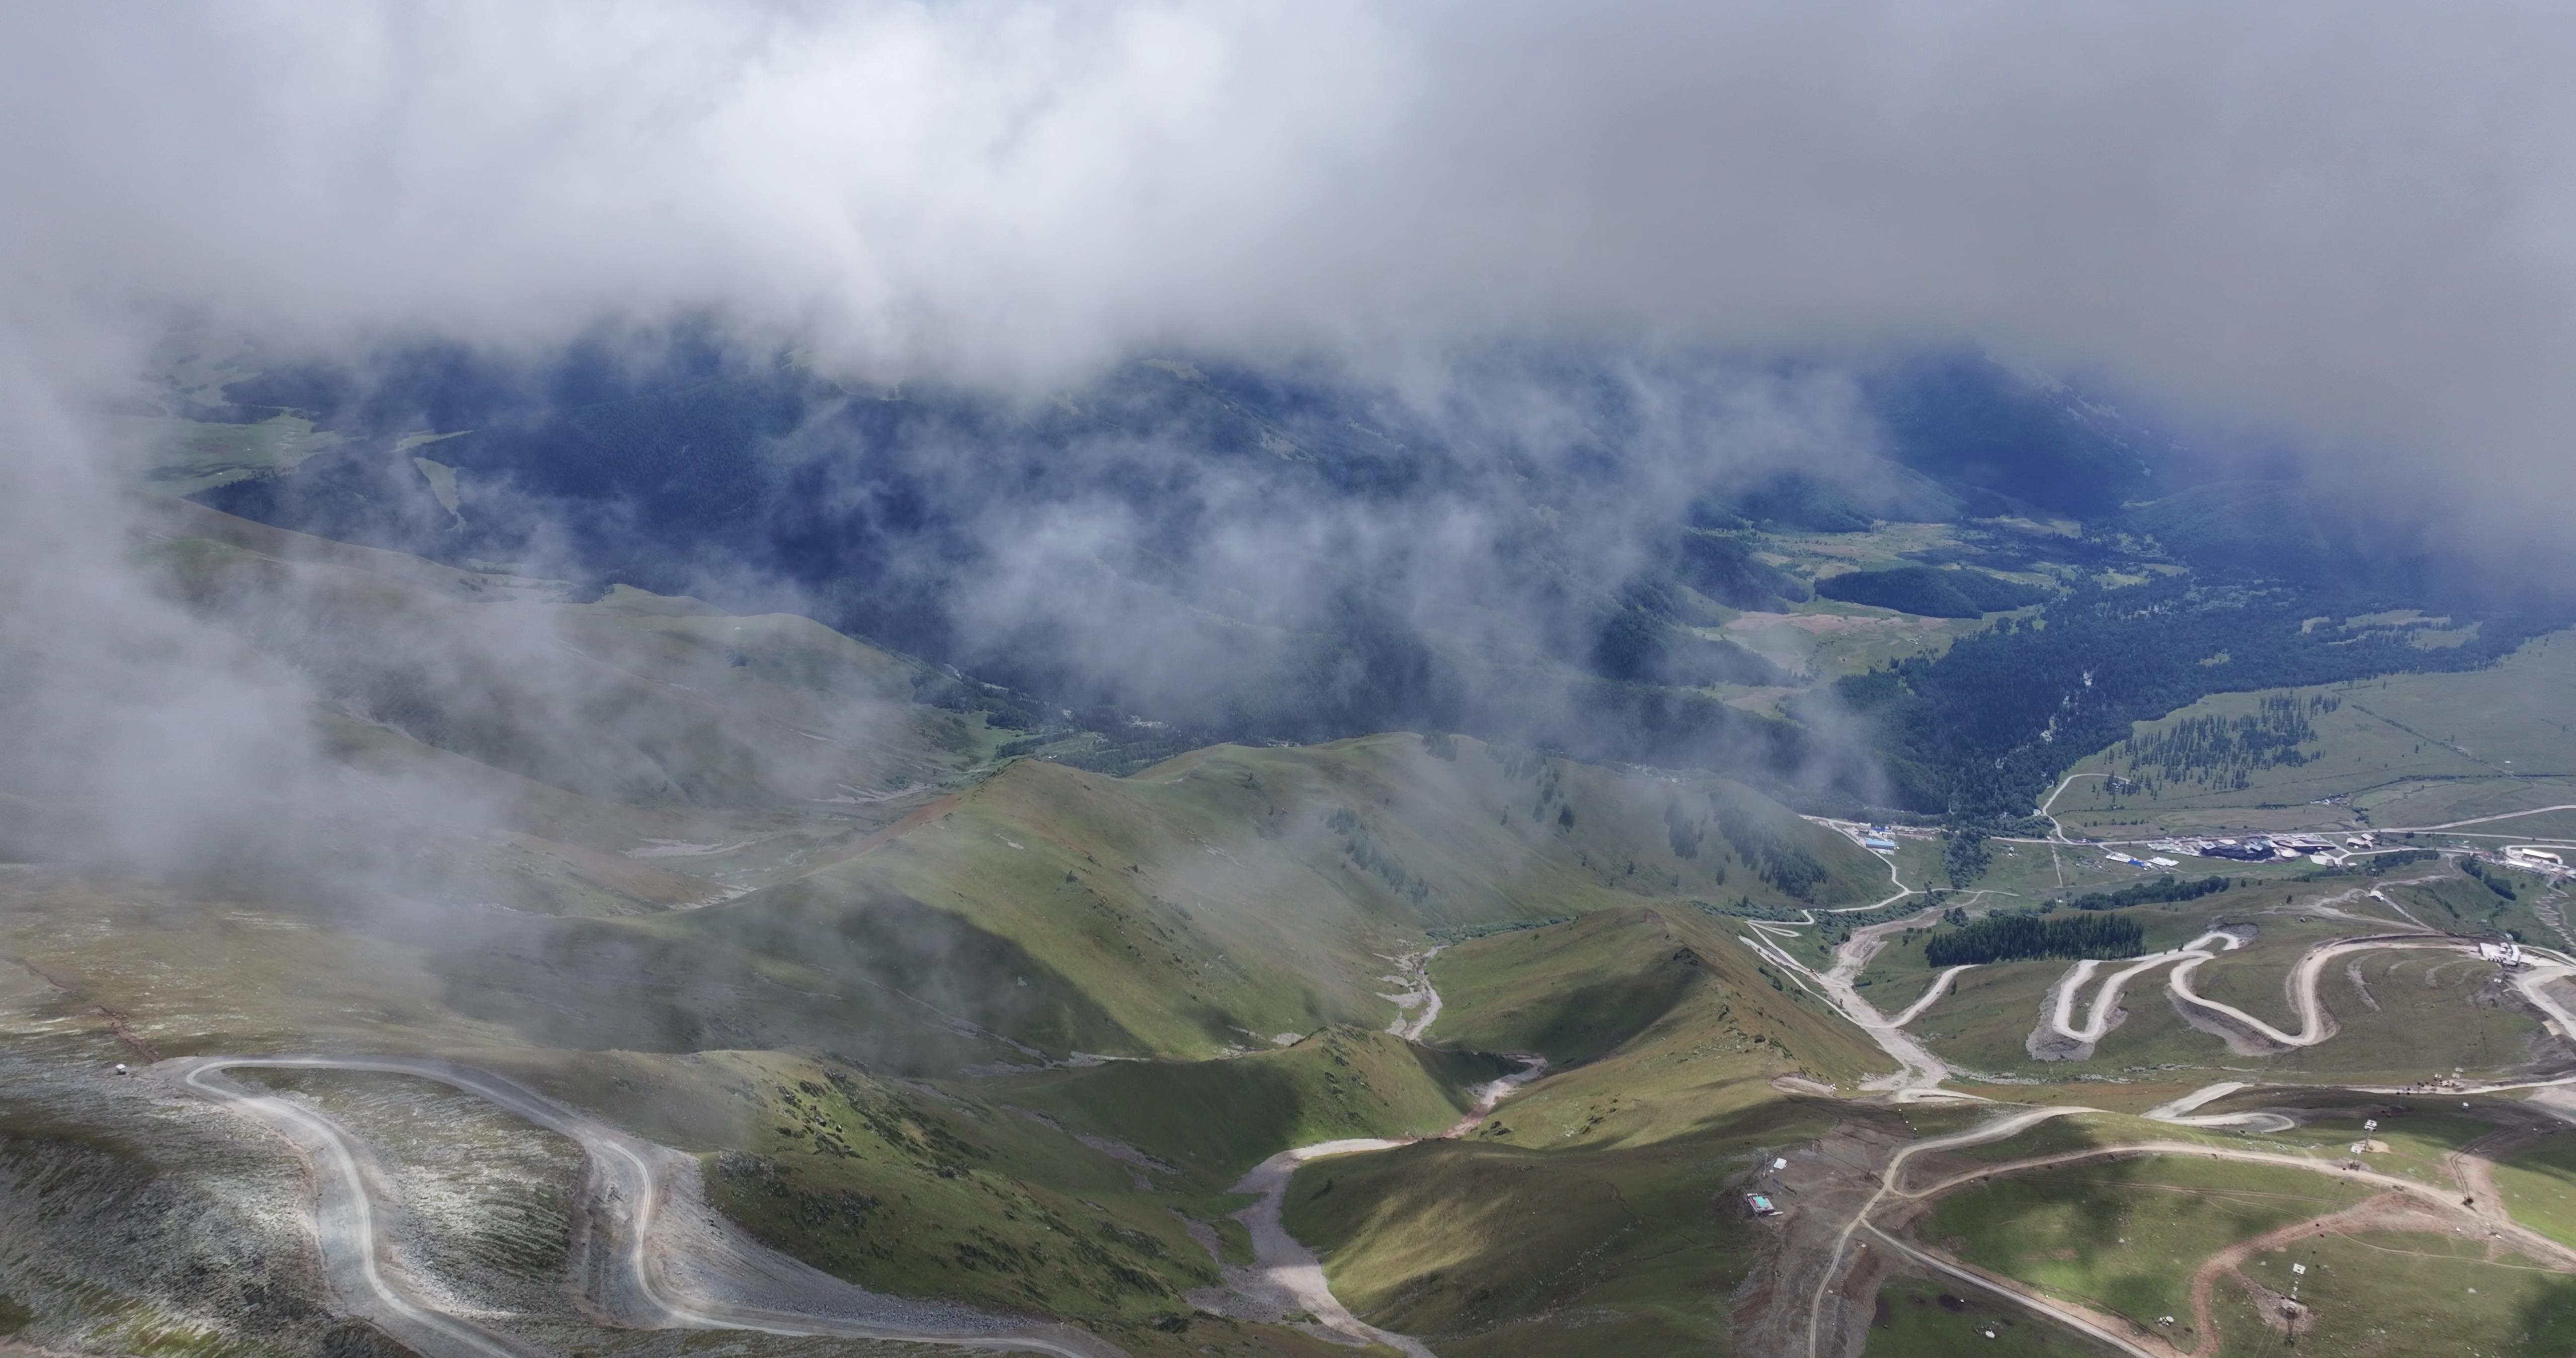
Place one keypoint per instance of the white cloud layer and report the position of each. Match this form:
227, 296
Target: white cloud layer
2354, 218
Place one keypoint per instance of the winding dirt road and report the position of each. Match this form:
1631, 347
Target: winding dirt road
1413, 972
645, 1267
2431, 1201
2315, 1024
1932, 995
2106, 1003
1919, 1073
1283, 1265
2010, 1124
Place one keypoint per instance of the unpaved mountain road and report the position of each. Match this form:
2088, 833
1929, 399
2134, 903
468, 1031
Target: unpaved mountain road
1918, 1070
1286, 1270
1831, 1326
2422, 1205
2315, 1024
1413, 972
655, 1258
1996, 1129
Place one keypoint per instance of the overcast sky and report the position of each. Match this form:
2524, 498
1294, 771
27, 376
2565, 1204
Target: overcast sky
2351, 216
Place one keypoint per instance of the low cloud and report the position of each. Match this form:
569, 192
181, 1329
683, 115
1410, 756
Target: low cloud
2343, 224
2348, 219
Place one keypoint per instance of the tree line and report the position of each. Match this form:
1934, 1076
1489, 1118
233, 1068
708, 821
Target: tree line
2016, 937
1976, 732
2162, 889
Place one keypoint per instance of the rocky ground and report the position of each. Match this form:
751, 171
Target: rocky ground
134, 1218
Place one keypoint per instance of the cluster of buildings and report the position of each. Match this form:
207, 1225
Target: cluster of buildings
2252, 848
2505, 951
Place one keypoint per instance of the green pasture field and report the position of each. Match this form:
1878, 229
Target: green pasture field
2454, 902
2478, 800
1657, 1023
1487, 1251
2057, 1135
923, 1193
2419, 1030
2385, 1294
2539, 1186
1826, 638
1937, 1319
2420, 1130
2124, 1236
2415, 749
2435, 1012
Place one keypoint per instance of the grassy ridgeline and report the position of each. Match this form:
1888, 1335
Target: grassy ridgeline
1576, 1218
1219, 1118
1200, 907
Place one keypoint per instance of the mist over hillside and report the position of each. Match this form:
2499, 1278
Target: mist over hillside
1553, 546
1142, 679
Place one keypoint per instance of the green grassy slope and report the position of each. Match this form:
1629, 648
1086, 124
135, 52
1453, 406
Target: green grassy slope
939, 1190
2539, 1186
632, 697
1219, 1118
1577, 1216
1570, 992
2124, 1236
1494, 1250
918, 1194
2388, 1294
718, 878
2417, 749
1205, 906
1613, 983
1917, 1319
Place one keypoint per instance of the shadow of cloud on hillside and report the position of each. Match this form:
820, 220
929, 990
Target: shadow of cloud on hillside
1219, 1118
1451, 1239
1584, 1024
883, 977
